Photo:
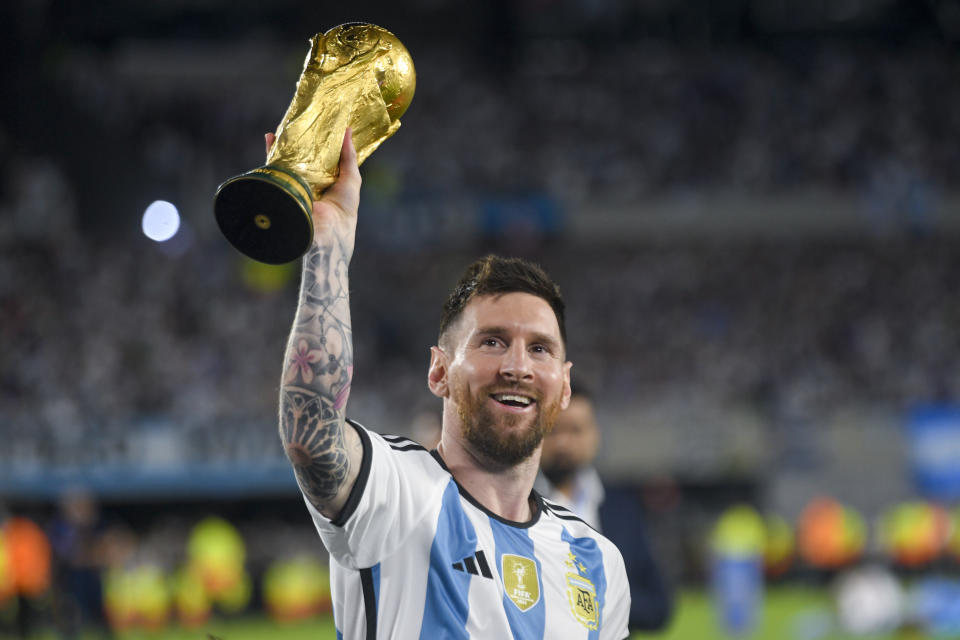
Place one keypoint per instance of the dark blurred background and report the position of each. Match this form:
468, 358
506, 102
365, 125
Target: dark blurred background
750, 205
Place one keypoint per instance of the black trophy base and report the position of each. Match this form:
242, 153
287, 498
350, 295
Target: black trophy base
266, 214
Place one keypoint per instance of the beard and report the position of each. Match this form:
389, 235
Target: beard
559, 471
503, 444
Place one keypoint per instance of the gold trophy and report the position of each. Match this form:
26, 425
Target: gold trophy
356, 75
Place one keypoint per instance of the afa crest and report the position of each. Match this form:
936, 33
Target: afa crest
520, 580
583, 600
582, 596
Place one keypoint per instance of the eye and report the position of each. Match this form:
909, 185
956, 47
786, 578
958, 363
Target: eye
490, 342
539, 348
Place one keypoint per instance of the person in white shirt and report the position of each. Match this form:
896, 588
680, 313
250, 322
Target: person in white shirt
454, 542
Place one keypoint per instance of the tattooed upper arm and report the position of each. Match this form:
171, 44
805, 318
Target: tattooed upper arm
316, 385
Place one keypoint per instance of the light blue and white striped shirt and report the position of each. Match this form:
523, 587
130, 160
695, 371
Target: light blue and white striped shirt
413, 555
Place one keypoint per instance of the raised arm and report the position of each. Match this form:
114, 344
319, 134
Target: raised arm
324, 450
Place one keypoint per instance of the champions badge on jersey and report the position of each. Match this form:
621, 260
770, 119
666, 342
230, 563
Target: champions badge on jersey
582, 595
520, 580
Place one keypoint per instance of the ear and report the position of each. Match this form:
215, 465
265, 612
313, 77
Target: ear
437, 373
565, 397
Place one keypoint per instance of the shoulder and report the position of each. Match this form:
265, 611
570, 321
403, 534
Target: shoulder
556, 510
390, 464
400, 443
398, 451
385, 440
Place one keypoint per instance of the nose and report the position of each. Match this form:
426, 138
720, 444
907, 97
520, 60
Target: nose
515, 365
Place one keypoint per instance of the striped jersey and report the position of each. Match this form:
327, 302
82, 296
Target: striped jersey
413, 555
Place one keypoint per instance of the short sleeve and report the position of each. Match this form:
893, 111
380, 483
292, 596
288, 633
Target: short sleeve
392, 497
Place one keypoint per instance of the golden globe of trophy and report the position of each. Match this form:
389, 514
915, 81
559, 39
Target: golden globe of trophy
356, 75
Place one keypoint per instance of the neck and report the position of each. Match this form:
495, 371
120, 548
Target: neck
505, 491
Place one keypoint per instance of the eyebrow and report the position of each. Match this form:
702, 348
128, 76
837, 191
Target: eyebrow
537, 336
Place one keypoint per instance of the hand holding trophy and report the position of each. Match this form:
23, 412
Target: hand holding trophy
356, 75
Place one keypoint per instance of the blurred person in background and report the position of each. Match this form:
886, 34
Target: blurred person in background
81, 549
7, 591
569, 478
28, 562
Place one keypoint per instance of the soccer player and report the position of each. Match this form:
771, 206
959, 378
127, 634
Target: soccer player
570, 479
454, 542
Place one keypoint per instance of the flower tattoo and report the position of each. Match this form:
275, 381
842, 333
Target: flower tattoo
300, 362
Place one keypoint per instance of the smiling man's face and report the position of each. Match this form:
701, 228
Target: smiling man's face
507, 375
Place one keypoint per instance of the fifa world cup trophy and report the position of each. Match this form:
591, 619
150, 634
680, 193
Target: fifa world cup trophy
356, 75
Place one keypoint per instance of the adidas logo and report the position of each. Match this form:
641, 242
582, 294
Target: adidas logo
472, 563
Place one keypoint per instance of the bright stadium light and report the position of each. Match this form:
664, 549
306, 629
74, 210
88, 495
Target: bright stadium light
160, 221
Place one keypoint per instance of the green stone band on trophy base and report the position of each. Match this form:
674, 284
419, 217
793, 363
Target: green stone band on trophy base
266, 214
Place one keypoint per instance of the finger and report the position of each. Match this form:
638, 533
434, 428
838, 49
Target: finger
348, 156
269, 138
345, 192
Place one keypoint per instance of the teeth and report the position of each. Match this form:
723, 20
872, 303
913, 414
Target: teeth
507, 397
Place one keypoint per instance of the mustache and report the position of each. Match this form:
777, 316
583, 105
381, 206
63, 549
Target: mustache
520, 389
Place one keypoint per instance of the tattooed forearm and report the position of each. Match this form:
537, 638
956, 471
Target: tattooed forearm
312, 432
317, 376
324, 278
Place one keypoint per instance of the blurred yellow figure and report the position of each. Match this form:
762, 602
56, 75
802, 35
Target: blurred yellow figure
736, 569
118, 599
191, 601
235, 599
780, 546
137, 598
217, 551
740, 531
152, 597
296, 589
6, 570
914, 533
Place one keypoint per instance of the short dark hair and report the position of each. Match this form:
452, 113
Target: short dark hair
496, 275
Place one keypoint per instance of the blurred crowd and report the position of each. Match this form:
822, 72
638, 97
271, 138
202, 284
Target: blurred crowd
578, 121
83, 572
101, 345
895, 574
108, 336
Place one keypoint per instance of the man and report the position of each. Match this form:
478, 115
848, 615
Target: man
81, 544
569, 479
454, 542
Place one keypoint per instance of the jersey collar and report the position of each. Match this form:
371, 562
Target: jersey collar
535, 498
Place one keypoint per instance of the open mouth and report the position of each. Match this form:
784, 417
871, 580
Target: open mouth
514, 400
